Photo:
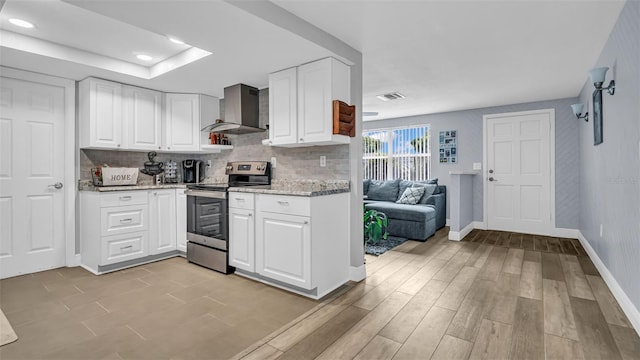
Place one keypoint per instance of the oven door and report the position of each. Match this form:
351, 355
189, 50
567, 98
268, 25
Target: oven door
207, 218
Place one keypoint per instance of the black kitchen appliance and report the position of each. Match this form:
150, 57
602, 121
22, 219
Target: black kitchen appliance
192, 171
207, 214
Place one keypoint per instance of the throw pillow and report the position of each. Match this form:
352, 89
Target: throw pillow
402, 186
429, 189
383, 190
411, 195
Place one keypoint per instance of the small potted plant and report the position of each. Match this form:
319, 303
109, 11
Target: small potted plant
375, 226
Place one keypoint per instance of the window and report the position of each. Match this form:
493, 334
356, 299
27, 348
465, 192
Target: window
397, 153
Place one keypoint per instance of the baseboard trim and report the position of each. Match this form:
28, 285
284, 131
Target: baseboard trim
459, 235
566, 233
357, 273
74, 261
633, 314
479, 225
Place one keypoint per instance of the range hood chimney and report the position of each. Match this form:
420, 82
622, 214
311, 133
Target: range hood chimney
240, 111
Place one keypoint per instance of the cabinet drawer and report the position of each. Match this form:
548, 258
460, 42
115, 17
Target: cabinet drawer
241, 200
124, 247
122, 198
293, 205
123, 219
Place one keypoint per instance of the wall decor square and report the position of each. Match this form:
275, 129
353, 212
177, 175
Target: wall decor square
448, 141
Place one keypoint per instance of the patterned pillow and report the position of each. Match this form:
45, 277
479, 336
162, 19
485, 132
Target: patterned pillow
411, 195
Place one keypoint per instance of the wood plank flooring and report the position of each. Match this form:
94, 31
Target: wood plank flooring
498, 295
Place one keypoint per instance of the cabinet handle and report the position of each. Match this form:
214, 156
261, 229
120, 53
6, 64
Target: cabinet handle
159, 147
301, 139
118, 145
283, 202
239, 199
306, 222
126, 220
126, 247
249, 214
125, 198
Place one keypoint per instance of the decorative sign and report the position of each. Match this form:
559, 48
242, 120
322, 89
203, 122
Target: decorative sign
448, 147
113, 176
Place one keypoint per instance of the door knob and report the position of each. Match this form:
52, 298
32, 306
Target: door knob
490, 171
57, 185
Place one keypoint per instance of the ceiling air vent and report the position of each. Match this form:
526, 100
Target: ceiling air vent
390, 96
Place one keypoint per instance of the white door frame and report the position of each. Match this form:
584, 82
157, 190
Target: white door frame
70, 188
552, 162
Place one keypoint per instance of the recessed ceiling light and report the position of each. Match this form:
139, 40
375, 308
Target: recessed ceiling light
175, 40
144, 57
21, 23
390, 96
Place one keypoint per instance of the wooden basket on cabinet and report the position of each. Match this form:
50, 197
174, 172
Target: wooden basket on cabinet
344, 118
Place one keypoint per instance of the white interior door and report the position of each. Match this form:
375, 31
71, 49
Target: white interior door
519, 172
32, 162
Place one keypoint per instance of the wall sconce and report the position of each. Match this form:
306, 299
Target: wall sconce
577, 111
597, 78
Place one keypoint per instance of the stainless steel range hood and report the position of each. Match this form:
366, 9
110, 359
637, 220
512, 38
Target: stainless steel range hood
240, 111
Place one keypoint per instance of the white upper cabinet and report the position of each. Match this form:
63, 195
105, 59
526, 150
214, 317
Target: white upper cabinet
143, 117
283, 92
184, 114
101, 113
300, 103
117, 116
319, 83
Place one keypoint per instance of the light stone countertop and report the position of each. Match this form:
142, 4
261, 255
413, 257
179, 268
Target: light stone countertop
307, 188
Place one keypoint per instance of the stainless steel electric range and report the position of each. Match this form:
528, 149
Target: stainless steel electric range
207, 214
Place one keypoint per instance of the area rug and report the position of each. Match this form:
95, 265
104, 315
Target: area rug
7, 335
383, 246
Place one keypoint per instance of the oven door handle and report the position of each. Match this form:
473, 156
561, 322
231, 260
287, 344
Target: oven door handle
207, 194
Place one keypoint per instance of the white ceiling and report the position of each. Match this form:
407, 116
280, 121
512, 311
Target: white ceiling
442, 55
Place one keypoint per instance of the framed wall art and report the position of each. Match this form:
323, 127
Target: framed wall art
448, 141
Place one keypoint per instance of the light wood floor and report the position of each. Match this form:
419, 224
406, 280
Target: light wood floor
438, 299
465, 300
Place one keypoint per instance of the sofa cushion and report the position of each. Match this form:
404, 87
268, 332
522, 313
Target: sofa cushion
411, 195
365, 186
429, 189
403, 211
383, 190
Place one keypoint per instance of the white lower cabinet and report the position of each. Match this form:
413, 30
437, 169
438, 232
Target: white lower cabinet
162, 229
300, 243
124, 226
181, 220
283, 248
242, 239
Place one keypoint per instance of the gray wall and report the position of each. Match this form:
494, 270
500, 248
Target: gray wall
610, 172
468, 123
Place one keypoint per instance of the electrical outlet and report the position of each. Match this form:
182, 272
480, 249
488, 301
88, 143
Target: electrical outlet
477, 166
323, 161
601, 230
273, 162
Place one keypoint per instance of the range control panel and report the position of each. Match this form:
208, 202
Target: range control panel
247, 168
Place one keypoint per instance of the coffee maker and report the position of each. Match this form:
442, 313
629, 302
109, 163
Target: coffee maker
192, 171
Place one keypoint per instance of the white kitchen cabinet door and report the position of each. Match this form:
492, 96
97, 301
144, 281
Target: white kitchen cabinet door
283, 117
100, 108
242, 239
162, 222
181, 220
319, 83
143, 118
283, 248
182, 125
